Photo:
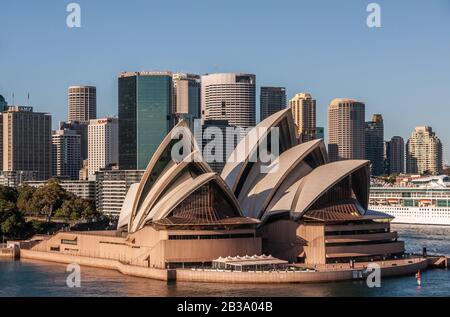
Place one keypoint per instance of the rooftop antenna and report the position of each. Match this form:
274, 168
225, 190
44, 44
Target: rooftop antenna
28, 99
13, 99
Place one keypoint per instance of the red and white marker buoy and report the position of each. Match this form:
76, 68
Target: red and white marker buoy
419, 282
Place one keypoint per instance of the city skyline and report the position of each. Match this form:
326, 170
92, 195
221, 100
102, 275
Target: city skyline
390, 71
224, 149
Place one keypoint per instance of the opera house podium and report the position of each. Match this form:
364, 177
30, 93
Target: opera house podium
299, 208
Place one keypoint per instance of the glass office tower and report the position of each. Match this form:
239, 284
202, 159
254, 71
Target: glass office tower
145, 101
272, 100
3, 104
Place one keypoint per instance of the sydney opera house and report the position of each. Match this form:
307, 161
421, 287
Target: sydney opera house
303, 210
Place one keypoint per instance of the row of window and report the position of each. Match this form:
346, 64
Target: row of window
355, 232
70, 242
211, 236
356, 243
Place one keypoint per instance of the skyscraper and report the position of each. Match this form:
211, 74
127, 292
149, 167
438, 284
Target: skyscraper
82, 103
3, 103
217, 140
145, 103
320, 133
395, 155
346, 122
374, 138
81, 128
103, 144
3, 107
424, 152
304, 111
272, 100
186, 98
230, 97
27, 141
66, 154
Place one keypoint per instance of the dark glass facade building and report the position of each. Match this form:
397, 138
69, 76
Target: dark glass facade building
395, 155
145, 103
229, 137
82, 130
3, 104
374, 136
272, 100
320, 133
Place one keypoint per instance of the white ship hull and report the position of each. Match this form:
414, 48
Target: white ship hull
416, 215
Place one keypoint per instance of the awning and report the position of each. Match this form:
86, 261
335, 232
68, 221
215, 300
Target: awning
250, 260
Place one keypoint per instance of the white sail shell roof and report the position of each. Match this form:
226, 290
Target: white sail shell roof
125, 212
166, 183
320, 180
257, 196
297, 180
239, 159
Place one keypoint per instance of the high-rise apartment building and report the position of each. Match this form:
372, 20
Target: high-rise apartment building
27, 140
272, 100
18, 178
346, 126
1, 141
103, 144
82, 103
186, 98
424, 152
395, 155
112, 187
304, 111
66, 154
374, 139
81, 188
145, 103
84, 171
3, 107
230, 97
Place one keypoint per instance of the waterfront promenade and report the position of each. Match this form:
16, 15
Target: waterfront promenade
331, 273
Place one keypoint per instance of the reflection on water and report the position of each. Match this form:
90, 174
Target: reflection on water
435, 238
34, 278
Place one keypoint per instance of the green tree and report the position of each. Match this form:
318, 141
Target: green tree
12, 222
89, 210
6, 208
76, 209
14, 226
8, 194
47, 199
24, 199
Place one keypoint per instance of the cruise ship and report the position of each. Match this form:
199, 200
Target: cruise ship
424, 201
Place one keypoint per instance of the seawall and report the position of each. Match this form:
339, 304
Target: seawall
214, 276
138, 271
9, 253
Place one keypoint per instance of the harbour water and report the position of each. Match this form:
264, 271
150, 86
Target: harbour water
34, 278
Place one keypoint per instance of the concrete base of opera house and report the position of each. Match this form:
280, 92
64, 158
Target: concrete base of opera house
138, 271
321, 274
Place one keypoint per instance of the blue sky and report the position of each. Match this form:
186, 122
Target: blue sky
401, 70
